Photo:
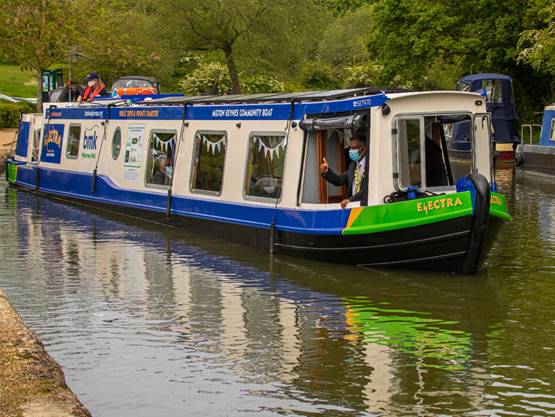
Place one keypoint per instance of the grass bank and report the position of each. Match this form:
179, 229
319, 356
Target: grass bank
14, 82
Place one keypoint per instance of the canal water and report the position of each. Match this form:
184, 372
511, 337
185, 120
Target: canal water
152, 321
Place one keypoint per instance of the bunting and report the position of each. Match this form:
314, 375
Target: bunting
162, 145
213, 147
273, 151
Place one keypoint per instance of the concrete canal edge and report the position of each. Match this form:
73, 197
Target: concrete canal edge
32, 384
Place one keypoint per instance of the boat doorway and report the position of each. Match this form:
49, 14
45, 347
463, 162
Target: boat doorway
329, 139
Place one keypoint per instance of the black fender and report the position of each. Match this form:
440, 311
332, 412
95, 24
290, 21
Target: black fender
519, 157
479, 227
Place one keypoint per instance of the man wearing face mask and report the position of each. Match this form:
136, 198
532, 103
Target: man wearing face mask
354, 178
95, 87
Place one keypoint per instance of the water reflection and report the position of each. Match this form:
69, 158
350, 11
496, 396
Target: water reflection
153, 321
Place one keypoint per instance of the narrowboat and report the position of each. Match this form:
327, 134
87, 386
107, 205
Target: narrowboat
540, 158
498, 92
248, 168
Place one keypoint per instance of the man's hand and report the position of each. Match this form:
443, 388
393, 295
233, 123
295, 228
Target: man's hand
324, 166
344, 203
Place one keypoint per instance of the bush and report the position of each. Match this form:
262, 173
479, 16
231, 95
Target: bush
209, 78
9, 113
261, 84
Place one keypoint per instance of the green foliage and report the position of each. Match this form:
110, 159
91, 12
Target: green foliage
9, 113
275, 45
360, 76
344, 41
262, 84
339, 7
213, 78
207, 78
319, 76
537, 46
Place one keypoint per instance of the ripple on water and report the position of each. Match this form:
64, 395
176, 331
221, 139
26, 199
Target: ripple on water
153, 321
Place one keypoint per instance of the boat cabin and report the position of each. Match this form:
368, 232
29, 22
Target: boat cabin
263, 149
540, 158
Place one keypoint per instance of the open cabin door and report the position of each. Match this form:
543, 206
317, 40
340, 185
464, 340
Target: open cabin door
331, 147
328, 138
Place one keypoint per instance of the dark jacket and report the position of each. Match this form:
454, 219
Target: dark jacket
436, 174
347, 179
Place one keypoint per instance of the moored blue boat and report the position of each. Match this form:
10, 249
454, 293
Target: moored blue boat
540, 158
498, 92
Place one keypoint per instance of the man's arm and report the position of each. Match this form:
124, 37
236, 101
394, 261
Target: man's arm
332, 177
335, 179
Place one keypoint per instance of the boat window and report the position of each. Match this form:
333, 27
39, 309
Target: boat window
422, 157
208, 162
493, 90
74, 136
35, 145
266, 156
464, 85
116, 144
410, 153
552, 130
161, 151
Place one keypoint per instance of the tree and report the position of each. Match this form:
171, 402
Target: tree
414, 40
537, 46
35, 33
253, 37
215, 25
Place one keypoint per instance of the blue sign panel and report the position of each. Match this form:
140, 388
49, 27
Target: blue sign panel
52, 143
22, 139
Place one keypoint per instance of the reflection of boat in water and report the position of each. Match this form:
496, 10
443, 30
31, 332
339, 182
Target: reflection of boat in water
247, 167
540, 158
498, 92
351, 341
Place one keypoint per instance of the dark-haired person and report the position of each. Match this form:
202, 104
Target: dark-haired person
95, 87
354, 178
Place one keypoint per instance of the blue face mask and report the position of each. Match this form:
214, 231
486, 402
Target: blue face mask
354, 154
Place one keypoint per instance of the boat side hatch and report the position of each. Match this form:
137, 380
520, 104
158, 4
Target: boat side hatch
345, 122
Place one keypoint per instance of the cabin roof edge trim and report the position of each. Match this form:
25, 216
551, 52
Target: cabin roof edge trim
202, 111
234, 111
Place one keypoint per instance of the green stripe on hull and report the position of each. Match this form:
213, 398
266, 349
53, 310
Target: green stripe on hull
498, 207
410, 213
12, 173
418, 212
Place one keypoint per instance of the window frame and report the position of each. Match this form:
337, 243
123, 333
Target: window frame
422, 116
247, 197
396, 154
118, 128
193, 164
552, 130
69, 140
150, 132
494, 83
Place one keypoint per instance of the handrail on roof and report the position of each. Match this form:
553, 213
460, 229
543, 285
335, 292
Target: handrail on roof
274, 97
